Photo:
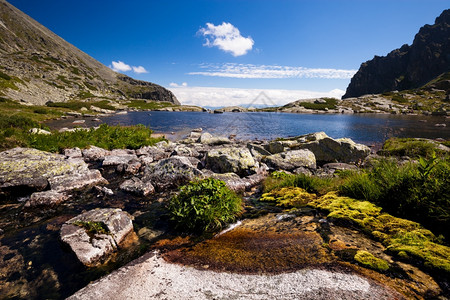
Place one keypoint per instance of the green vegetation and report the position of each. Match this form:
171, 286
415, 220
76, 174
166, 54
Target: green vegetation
107, 137
311, 184
288, 197
204, 205
330, 104
148, 105
368, 260
4, 76
411, 147
417, 191
77, 105
93, 227
85, 94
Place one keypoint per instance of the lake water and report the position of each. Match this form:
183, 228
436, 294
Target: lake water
362, 128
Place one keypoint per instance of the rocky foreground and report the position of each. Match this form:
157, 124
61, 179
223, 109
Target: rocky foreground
49, 184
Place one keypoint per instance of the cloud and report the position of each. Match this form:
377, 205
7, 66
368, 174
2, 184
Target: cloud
226, 37
120, 66
234, 70
219, 97
173, 84
139, 70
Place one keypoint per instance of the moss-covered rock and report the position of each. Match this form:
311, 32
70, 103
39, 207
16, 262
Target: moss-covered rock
368, 260
289, 197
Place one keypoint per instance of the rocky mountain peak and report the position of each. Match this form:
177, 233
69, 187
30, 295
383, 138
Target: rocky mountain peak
409, 66
37, 66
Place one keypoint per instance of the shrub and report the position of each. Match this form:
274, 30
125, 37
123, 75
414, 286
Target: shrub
204, 205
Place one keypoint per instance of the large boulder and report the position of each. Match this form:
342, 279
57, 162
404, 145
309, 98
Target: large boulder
209, 139
46, 199
291, 160
136, 186
33, 169
94, 153
231, 160
170, 172
95, 234
329, 150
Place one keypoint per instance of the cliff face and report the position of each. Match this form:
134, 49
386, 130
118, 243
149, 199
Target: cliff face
408, 67
38, 66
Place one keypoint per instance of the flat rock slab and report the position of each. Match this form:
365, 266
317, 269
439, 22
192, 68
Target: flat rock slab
151, 277
92, 248
32, 168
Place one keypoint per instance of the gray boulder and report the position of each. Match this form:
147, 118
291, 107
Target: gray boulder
230, 160
236, 183
94, 153
137, 186
114, 160
67, 182
92, 247
46, 198
208, 139
291, 160
131, 167
32, 169
257, 150
329, 150
156, 153
170, 172
73, 153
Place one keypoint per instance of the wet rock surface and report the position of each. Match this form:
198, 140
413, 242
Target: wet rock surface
139, 183
95, 234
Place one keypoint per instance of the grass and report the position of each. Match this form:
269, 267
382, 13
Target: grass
311, 184
93, 227
77, 105
204, 205
410, 147
107, 137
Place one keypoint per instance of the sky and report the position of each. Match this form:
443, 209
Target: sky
237, 52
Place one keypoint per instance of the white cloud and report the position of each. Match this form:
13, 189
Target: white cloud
139, 70
234, 70
120, 66
173, 84
227, 38
219, 97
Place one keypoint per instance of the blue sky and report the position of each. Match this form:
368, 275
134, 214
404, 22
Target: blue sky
226, 52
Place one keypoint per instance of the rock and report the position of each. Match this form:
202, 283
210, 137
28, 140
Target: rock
340, 166
93, 248
157, 153
320, 101
77, 180
104, 190
291, 160
46, 198
274, 147
237, 184
208, 139
39, 131
230, 160
197, 129
132, 167
94, 153
113, 160
170, 172
257, 150
73, 153
79, 122
31, 169
137, 186
184, 151
329, 150
408, 67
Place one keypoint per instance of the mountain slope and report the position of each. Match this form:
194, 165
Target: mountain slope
408, 67
37, 66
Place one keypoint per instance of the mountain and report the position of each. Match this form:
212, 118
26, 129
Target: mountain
408, 67
37, 66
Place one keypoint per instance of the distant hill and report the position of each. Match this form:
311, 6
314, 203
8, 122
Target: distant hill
37, 66
409, 67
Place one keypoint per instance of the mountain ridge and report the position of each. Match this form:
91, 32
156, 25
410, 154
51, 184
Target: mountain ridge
409, 66
38, 66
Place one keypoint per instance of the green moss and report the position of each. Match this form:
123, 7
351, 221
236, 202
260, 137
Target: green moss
402, 237
410, 147
368, 260
93, 227
149, 105
288, 197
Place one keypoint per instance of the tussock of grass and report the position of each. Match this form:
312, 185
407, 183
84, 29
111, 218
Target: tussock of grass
410, 147
309, 183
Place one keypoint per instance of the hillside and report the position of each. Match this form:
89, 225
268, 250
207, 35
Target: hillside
408, 67
38, 66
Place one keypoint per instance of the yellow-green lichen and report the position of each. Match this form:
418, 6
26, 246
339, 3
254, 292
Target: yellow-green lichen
368, 260
289, 197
